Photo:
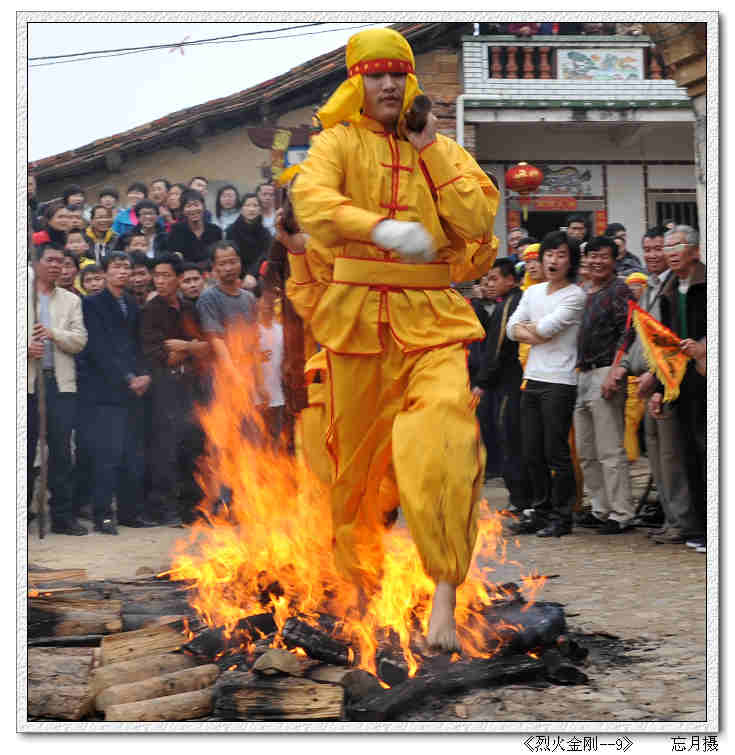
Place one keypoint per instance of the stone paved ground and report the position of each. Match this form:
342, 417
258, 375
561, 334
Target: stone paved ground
650, 596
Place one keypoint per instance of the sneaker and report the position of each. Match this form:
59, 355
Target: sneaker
611, 527
139, 521
556, 529
589, 520
69, 528
669, 536
656, 531
696, 542
106, 527
701, 548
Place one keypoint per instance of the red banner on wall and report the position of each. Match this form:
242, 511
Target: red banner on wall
555, 203
600, 222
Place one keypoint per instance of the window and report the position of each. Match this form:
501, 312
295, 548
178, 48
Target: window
681, 208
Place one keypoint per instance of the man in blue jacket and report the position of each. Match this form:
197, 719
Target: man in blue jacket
113, 380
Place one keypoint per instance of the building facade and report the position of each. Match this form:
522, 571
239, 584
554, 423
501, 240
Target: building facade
612, 136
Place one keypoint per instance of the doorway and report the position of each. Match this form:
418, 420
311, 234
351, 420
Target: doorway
541, 223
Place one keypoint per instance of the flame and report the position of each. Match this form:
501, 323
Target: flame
264, 544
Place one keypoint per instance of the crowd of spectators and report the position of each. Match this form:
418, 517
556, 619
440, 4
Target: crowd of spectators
127, 309
131, 305
565, 395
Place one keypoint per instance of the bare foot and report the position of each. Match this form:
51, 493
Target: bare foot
442, 628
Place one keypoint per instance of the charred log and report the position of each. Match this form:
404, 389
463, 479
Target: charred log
316, 643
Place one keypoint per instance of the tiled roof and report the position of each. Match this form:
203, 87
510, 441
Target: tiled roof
164, 130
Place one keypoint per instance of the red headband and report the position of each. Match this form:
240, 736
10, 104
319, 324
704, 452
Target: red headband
382, 65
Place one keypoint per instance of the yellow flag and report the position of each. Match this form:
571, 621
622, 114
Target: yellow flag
661, 347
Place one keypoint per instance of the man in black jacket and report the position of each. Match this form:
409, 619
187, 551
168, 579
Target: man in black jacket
113, 380
168, 328
684, 310
502, 374
193, 236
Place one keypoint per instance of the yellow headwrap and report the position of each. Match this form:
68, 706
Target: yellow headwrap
637, 278
531, 252
370, 51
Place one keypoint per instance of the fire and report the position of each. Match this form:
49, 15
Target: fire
264, 543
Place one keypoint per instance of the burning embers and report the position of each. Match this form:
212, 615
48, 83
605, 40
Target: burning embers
262, 573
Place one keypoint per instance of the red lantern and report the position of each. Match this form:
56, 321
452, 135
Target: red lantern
524, 179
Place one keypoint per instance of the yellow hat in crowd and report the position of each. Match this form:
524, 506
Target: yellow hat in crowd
370, 51
531, 252
641, 278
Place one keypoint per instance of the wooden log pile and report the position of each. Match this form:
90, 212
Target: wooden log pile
88, 659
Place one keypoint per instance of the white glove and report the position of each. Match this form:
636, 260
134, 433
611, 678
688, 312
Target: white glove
410, 240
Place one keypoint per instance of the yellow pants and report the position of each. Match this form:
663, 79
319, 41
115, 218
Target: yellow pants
635, 409
412, 410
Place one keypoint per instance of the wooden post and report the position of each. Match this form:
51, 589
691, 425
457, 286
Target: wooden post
511, 67
496, 69
528, 72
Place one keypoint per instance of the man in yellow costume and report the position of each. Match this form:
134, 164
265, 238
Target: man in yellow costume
393, 217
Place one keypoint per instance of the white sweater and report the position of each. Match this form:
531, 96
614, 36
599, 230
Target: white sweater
557, 316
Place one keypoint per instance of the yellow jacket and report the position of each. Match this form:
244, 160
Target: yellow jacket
354, 177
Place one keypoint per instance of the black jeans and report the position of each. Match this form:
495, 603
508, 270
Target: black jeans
174, 446
546, 418
486, 412
508, 424
60, 416
116, 436
691, 408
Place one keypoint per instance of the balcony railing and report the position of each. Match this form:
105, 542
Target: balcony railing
538, 57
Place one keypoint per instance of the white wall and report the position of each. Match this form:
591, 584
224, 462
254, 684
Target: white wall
671, 177
626, 202
500, 224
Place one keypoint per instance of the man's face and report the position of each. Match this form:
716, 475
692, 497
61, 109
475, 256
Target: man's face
134, 197
680, 255
137, 244
499, 283
48, 268
191, 284
194, 211
227, 266
621, 239
107, 200
158, 192
535, 270
75, 200
118, 273
140, 279
68, 273
653, 255
61, 221
76, 244
600, 264
265, 194
165, 280
93, 283
513, 238
76, 219
556, 263
637, 290
101, 222
148, 218
576, 230
384, 96
199, 185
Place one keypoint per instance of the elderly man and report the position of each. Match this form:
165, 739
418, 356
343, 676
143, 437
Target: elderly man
663, 434
684, 310
400, 214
